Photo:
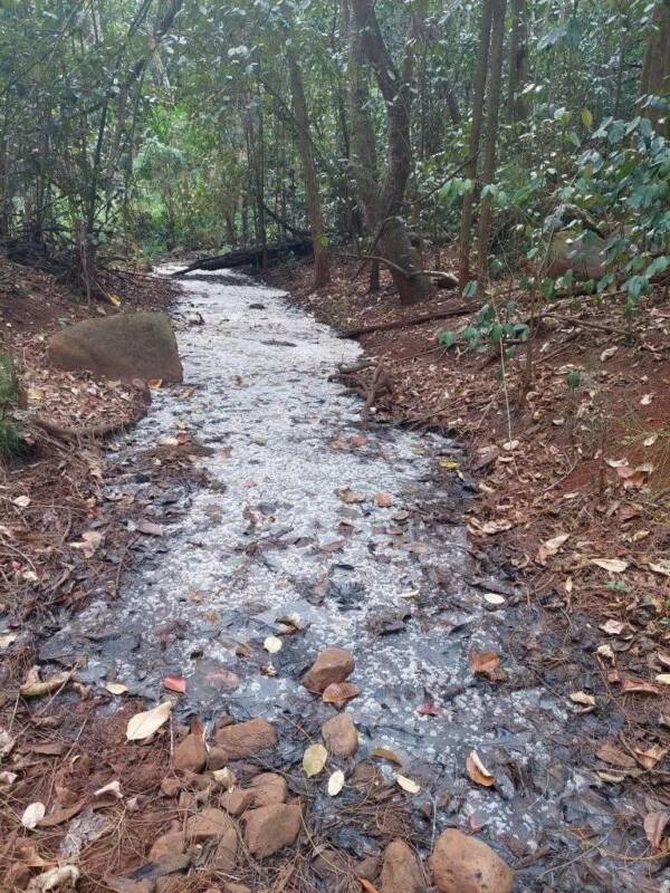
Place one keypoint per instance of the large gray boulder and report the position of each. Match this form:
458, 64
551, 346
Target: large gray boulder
586, 257
126, 346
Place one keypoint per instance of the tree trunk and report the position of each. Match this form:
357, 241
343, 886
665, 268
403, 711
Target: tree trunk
314, 212
479, 89
517, 107
489, 165
396, 87
655, 79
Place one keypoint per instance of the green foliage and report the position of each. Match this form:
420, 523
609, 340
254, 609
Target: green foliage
11, 441
487, 328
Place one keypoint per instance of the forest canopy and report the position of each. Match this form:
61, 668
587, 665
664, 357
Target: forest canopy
136, 127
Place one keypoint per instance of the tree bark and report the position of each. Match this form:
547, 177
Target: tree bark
303, 138
479, 89
489, 165
655, 80
517, 107
385, 204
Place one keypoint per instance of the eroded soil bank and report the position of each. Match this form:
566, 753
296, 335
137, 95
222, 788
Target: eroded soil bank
322, 529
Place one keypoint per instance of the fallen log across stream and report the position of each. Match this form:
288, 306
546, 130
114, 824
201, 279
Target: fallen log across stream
246, 257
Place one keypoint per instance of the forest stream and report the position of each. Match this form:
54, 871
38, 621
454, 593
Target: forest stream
321, 528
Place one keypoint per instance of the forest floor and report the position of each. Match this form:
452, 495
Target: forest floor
178, 559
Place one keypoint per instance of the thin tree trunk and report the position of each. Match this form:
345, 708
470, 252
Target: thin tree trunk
314, 211
396, 87
489, 165
479, 89
655, 79
517, 107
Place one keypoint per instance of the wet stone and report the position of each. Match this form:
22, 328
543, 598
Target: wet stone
271, 828
340, 735
332, 665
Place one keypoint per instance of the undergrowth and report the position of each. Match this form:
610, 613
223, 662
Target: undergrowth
12, 443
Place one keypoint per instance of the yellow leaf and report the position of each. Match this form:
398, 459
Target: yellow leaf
407, 784
146, 723
478, 771
314, 760
613, 565
587, 118
114, 299
155, 383
335, 783
116, 688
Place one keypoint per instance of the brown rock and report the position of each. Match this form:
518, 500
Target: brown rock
217, 758
126, 345
129, 885
206, 824
340, 735
237, 801
171, 863
244, 738
225, 855
170, 787
367, 868
190, 754
462, 864
268, 788
170, 885
167, 844
17, 877
332, 665
270, 828
335, 869
401, 870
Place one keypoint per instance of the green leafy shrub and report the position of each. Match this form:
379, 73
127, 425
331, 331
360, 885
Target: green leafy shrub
12, 443
488, 327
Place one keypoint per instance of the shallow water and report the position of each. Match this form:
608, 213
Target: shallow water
271, 538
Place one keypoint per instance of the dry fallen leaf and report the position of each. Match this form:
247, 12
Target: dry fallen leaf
613, 627
225, 778
478, 771
116, 688
407, 784
384, 753
367, 886
146, 723
660, 567
176, 684
349, 496
338, 693
335, 783
34, 687
89, 543
33, 814
585, 701
654, 826
650, 757
615, 756
613, 565
551, 547
384, 500
638, 686
608, 354
273, 644
314, 760
65, 877
486, 663
663, 678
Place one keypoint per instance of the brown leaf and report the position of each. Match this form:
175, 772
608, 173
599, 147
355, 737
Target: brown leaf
338, 693
632, 686
384, 500
610, 753
654, 826
367, 886
34, 687
478, 771
383, 753
486, 663
175, 683
58, 816
428, 710
650, 757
